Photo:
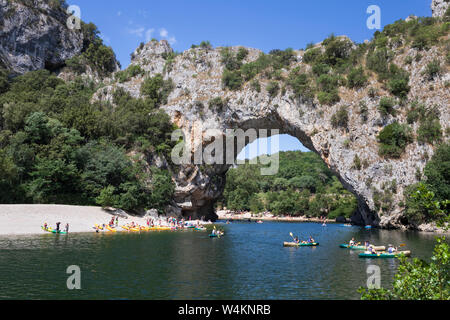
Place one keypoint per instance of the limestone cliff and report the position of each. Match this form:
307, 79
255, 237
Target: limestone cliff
197, 75
34, 35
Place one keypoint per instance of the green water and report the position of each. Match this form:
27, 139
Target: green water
248, 263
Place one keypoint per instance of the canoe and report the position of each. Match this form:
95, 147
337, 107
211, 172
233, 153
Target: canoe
346, 246
53, 231
295, 244
111, 229
136, 229
125, 228
97, 226
216, 235
385, 254
200, 229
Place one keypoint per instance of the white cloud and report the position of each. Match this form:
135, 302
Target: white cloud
163, 33
119, 13
172, 40
139, 32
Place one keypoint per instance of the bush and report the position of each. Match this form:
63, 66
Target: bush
312, 55
399, 81
273, 88
299, 83
232, 79
433, 69
393, 140
437, 172
216, 104
157, 89
356, 78
430, 131
329, 98
386, 106
340, 118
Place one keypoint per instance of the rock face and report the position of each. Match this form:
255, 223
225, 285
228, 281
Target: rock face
439, 7
34, 35
197, 75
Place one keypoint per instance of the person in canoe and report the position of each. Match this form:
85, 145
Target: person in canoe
46, 226
352, 242
57, 227
67, 228
296, 240
366, 244
391, 249
311, 240
372, 250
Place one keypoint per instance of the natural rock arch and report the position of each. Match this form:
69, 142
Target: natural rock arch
197, 76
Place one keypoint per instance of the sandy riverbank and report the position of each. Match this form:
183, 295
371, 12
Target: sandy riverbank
228, 215
28, 219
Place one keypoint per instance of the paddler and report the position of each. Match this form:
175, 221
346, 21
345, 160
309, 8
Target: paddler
45, 226
311, 240
391, 249
57, 226
67, 228
372, 250
297, 240
352, 242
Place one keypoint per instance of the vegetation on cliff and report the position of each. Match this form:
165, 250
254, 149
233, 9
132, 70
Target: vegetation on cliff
57, 147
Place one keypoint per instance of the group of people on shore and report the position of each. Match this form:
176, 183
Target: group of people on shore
58, 228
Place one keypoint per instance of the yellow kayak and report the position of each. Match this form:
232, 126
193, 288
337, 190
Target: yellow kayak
111, 229
135, 229
125, 228
98, 227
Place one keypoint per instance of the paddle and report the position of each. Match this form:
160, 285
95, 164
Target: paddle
292, 235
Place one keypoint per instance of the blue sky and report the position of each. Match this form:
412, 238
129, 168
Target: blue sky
261, 24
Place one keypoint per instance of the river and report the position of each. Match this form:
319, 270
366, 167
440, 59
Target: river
248, 263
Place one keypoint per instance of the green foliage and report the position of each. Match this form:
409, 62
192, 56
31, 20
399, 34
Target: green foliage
232, 79
300, 84
328, 86
386, 106
422, 205
130, 72
273, 88
45, 156
393, 140
356, 78
433, 69
216, 104
157, 89
4, 84
340, 118
437, 171
418, 280
398, 83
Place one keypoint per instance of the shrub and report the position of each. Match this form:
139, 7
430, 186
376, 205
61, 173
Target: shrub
216, 104
357, 163
232, 79
4, 83
437, 172
363, 111
273, 88
312, 55
378, 61
340, 118
399, 81
356, 78
299, 83
433, 69
157, 89
430, 131
393, 140
328, 98
255, 85
386, 106
320, 68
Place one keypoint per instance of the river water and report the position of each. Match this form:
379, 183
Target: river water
248, 263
